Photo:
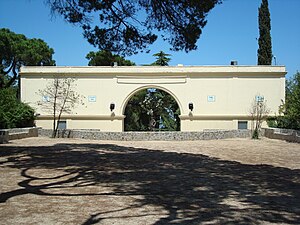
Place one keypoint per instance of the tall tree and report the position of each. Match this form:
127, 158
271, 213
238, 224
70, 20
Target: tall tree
121, 28
106, 58
161, 59
264, 52
16, 50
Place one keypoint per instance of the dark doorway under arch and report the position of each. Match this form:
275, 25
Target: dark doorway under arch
152, 109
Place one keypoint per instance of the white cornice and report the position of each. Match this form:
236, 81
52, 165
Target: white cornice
154, 70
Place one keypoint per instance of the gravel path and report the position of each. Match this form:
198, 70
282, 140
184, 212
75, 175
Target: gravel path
72, 181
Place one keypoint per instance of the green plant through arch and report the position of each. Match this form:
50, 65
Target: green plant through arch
152, 109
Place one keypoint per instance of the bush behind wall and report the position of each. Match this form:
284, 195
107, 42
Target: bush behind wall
14, 113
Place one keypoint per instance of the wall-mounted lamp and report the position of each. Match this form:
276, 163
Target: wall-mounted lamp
112, 106
191, 106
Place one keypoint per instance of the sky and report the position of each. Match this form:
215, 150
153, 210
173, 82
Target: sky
230, 34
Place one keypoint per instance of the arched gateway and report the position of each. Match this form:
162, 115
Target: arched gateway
152, 108
209, 97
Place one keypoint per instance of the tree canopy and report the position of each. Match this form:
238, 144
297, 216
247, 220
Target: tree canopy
16, 50
264, 52
106, 58
128, 26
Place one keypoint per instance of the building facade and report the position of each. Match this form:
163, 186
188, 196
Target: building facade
220, 96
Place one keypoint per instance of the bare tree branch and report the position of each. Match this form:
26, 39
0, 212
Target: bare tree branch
59, 97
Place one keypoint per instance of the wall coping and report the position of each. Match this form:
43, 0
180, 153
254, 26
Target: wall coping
279, 71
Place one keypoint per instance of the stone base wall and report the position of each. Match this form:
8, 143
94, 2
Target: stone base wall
282, 134
148, 136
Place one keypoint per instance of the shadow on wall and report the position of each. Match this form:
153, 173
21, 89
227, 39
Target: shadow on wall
192, 189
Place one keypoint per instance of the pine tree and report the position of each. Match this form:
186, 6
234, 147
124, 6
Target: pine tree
161, 59
264, 52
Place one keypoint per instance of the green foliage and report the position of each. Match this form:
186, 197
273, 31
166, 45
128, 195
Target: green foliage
16, 50
14, 113
264, 52
152, 105
285, 121
136, 118
127, 26
271, 121
106, 58
161, 59
291, 107
292, 104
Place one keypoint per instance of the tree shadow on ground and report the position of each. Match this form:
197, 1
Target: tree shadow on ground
191, 188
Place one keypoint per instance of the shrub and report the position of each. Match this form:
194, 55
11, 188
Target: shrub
272, 121
286, 122
14, 113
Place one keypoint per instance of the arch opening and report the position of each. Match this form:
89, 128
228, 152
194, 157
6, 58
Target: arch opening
151, 109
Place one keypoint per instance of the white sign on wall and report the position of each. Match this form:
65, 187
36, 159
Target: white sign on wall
92, 98
211, 98
259, 98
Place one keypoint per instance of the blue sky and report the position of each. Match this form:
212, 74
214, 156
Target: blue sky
230, 34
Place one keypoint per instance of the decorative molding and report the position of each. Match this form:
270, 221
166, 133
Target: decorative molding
151, 80
214, 117
84, 117
121, 117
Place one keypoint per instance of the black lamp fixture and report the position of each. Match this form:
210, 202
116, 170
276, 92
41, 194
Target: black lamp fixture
191, 106
112, 106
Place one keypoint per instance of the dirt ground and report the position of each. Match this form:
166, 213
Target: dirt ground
72, 181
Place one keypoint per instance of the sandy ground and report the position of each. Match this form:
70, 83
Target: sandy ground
71, 181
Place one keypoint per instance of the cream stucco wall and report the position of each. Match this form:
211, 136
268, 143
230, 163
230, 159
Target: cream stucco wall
231, 89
